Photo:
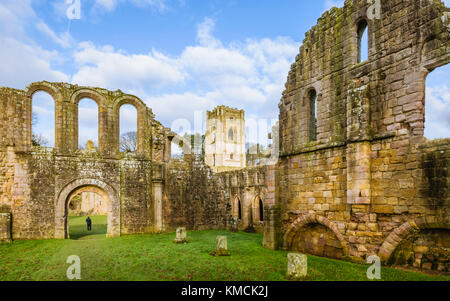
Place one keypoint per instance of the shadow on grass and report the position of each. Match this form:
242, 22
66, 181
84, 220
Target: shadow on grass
78, 228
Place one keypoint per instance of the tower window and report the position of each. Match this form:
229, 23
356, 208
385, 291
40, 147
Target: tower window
231, 135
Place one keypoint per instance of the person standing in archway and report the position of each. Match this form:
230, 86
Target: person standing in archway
89, 224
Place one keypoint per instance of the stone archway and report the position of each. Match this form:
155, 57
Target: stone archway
402, 232
312, 219
109, 193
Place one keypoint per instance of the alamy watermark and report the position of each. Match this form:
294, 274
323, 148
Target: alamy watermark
73, 12
374, 271
74, 270
374, 10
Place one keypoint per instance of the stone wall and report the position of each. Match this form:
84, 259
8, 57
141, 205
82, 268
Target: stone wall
369, 177
37, 183
5, 227
247, 188
194, 196
200, 199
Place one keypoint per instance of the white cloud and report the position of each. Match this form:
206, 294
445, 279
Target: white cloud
108, 5
333, 3
65, 40
114, 69
22, 64
248, 75
22, 60
437, 112
14, 15
204, 34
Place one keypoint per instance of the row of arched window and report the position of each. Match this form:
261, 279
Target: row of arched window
257, 215
43, 123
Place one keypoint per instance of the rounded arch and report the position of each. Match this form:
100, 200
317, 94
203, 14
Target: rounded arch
141, 110
73, 188
313, 219
402, 232
99, 99
87, 93
56, 95
43, 86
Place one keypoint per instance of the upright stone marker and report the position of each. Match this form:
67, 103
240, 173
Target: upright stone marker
5, 227
181, 237
221, 247
297, 267
234, 225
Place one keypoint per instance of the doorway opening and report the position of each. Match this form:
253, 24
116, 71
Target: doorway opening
92, 202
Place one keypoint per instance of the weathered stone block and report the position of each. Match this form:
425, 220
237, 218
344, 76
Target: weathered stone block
297, 267
221, 247
181, 236
5, 228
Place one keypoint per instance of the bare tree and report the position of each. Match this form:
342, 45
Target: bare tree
128, 142
37, 139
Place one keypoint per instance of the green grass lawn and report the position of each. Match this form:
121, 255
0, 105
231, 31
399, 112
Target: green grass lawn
156, 257
78, 228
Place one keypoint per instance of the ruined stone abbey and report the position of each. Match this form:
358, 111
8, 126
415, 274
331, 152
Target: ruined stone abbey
355, 176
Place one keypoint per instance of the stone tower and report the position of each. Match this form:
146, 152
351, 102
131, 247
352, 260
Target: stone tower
225, 139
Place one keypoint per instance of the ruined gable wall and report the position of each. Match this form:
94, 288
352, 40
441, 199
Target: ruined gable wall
33, 178
368, 173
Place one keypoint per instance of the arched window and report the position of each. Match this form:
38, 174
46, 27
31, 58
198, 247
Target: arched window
239, 210
363, 41
261, 210
43, 120
313, 115
231, 134
437, 104
87, 123
128, 129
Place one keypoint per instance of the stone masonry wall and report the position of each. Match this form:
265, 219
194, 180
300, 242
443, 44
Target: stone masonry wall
369, 177
194, 196
36, 182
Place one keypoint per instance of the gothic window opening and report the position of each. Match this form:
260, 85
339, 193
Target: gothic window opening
313, 115
88, 124
363, 41
43, 120
128, 129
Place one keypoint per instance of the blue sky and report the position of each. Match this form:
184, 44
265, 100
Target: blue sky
179, 56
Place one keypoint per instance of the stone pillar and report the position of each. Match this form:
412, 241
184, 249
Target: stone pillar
5, 228
157, 197
297, 267
358, 173
272, 228
158, 186
358, 149
234, 224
